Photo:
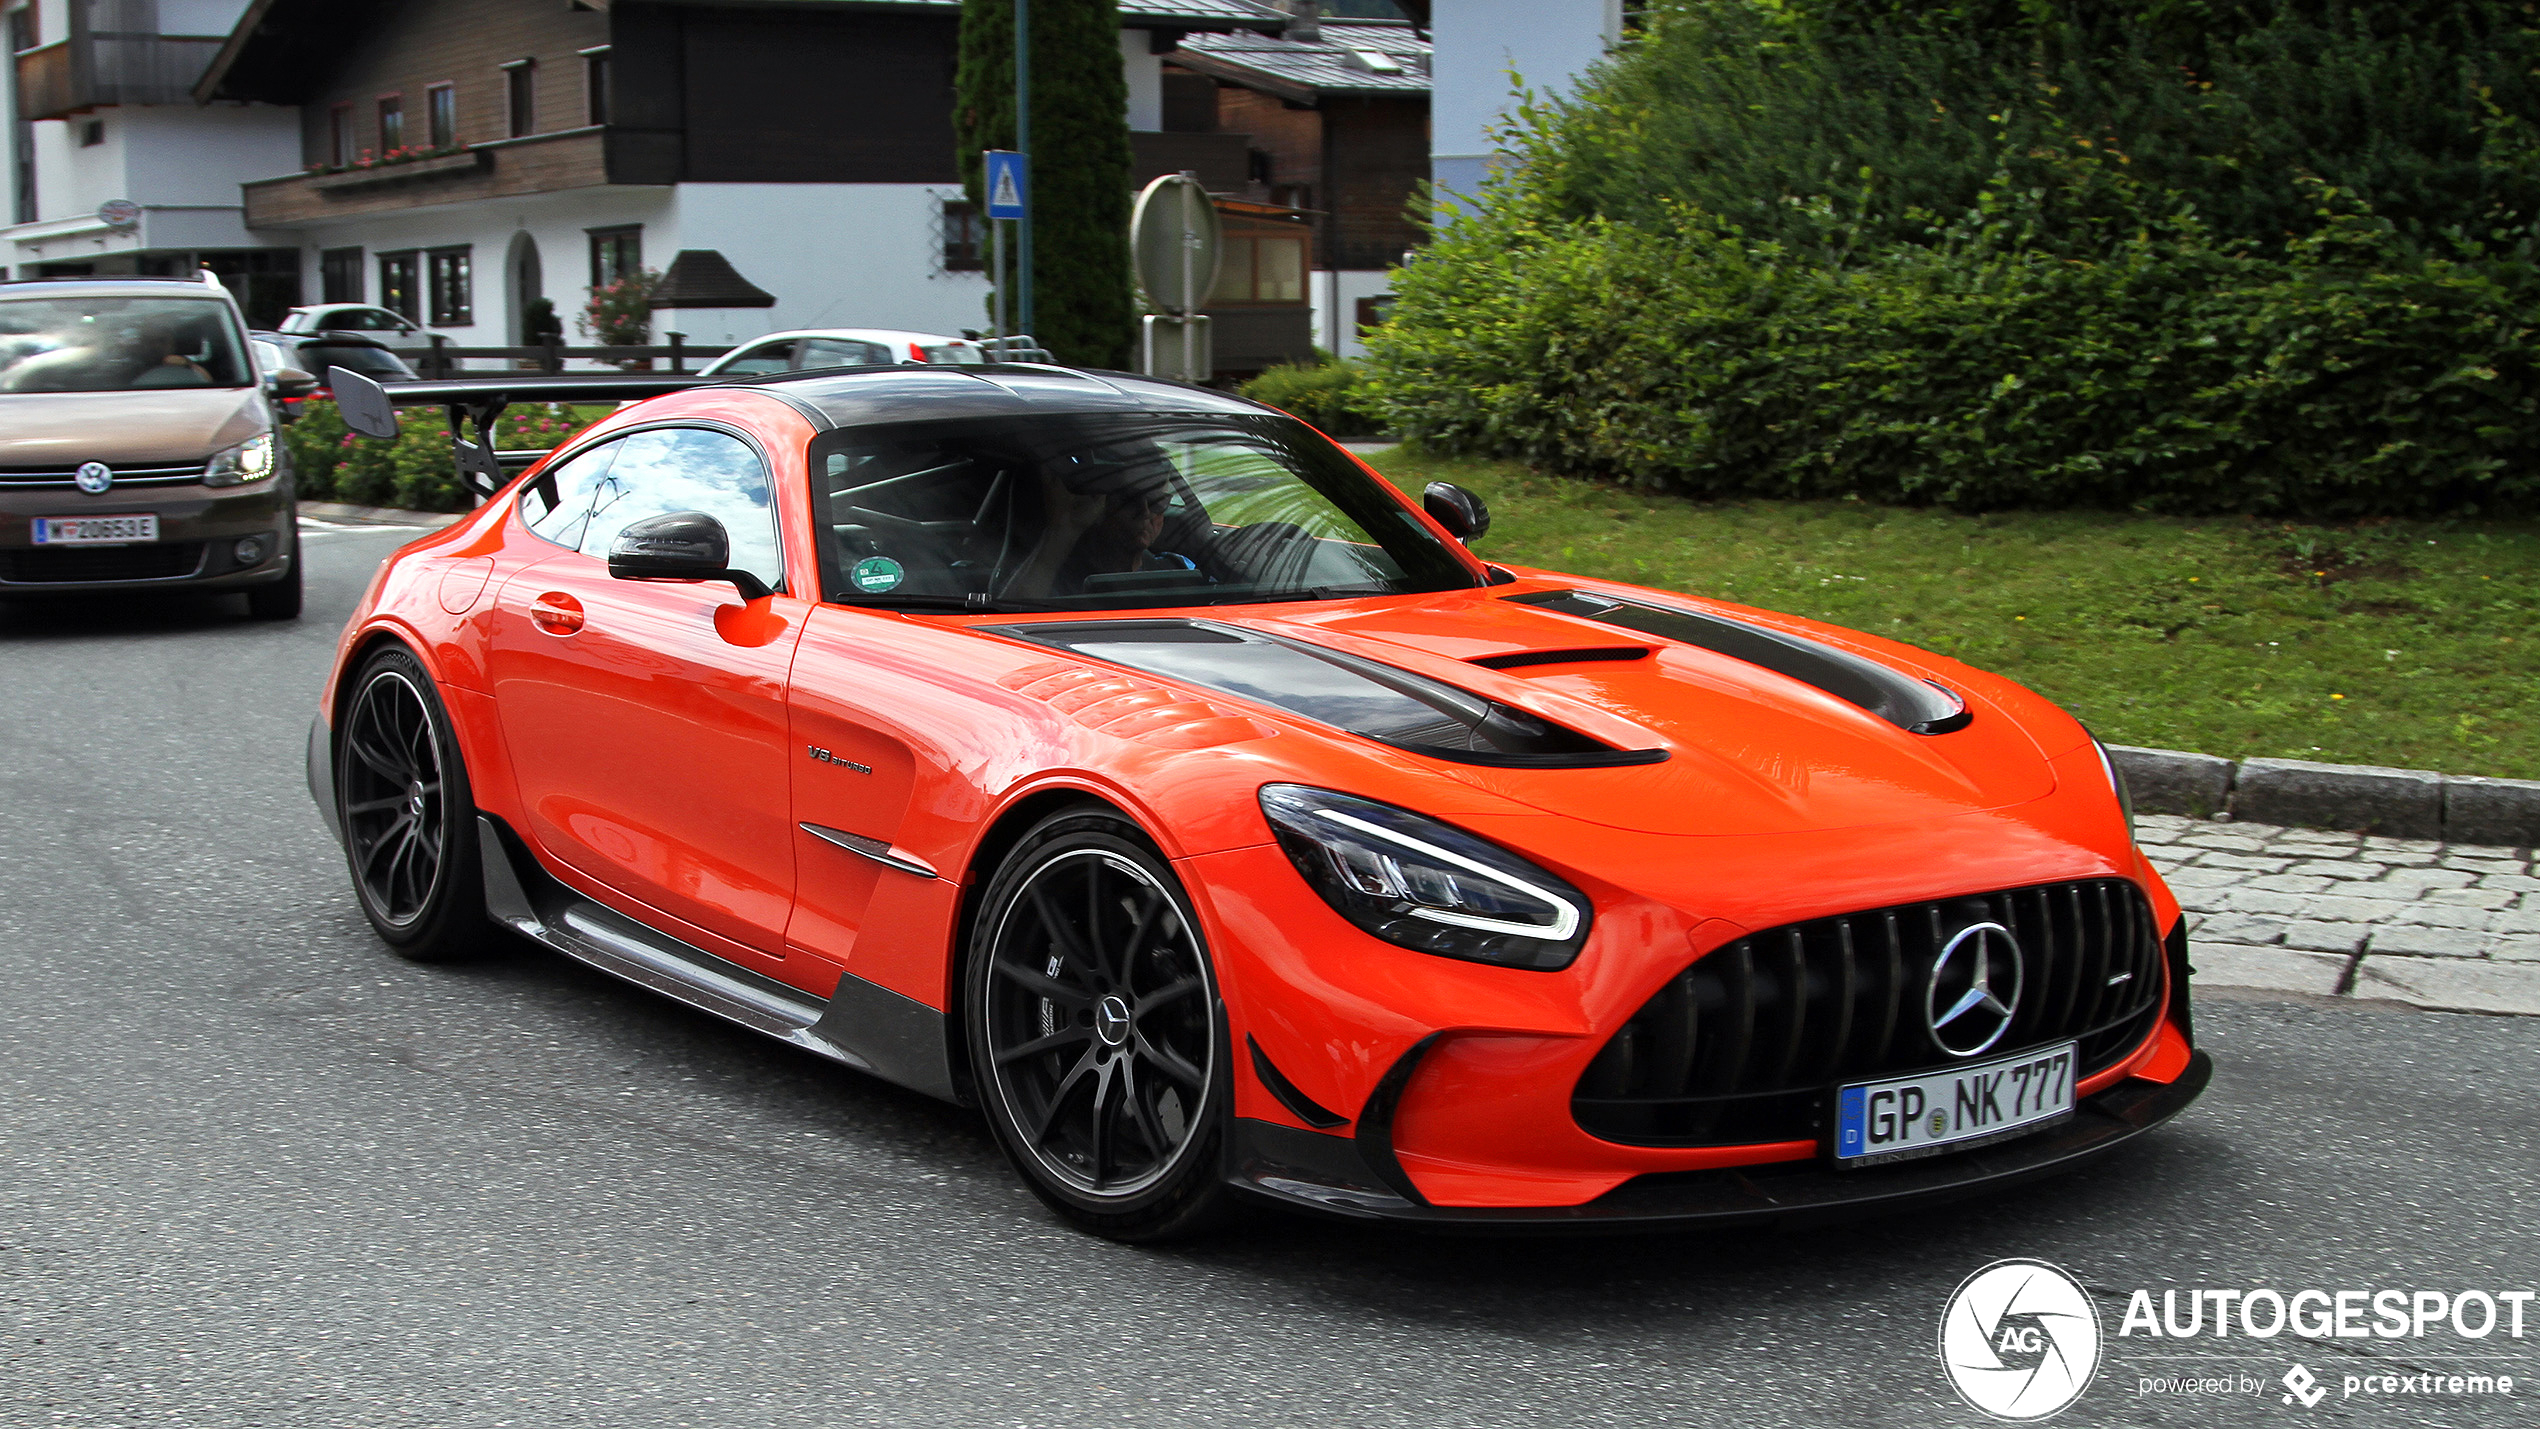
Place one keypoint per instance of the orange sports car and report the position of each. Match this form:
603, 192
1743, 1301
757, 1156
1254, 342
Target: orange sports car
1130, 761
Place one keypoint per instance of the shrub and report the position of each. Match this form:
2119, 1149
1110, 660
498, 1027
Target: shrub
1328, 395
415, 472
620, 314
2013, 313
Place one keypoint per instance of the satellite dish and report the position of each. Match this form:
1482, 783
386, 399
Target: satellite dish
1175, 242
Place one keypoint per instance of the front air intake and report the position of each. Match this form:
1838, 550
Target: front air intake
1748, 1043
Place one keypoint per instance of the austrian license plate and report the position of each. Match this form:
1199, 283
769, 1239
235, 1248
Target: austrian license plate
1905, 1117
95, 530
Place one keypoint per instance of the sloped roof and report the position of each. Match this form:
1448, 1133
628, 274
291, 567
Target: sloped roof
704, 278
1349, 59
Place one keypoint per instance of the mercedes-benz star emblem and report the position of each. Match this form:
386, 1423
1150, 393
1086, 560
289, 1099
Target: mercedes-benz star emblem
1111, 1021
1975, 988
94, 477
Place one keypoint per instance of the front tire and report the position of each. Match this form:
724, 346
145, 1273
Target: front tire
1097, 1037
277, 600
409, 818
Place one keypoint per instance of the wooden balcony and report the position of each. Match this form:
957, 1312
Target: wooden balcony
90, 70
541, 163
46, 89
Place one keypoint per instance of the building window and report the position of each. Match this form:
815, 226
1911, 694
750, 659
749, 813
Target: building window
340, 275
339, 136
965, 237
616, 253
441, 110
453, 288
1261, 270
520, 97
595, 85
392, 124
398, 285
92, 132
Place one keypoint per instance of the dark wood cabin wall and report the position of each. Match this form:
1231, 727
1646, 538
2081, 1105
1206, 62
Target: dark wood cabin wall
420, 43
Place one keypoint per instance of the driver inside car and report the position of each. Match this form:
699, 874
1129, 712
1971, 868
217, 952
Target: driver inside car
1087, 533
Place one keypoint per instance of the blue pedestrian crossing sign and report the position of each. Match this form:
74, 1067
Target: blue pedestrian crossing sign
1009, 183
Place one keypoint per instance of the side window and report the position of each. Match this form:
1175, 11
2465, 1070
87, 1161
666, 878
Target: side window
688, 469
558, 504
764, 358
839, 352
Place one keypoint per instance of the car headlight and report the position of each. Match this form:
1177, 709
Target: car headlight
1424, 885
2116, 781
248, 461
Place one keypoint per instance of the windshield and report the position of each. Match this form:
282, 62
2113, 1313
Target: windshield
107, 344
1109, 512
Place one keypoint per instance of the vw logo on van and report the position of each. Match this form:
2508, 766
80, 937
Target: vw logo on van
94, 477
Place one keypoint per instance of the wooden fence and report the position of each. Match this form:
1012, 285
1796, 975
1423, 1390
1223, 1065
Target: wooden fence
443, 357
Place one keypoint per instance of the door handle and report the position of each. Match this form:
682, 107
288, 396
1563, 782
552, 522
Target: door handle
556, 613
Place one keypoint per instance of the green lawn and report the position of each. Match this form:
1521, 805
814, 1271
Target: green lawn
2407, 644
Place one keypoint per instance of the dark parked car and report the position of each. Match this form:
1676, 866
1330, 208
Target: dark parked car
316, 352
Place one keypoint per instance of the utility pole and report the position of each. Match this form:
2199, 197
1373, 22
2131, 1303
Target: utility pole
1023, 145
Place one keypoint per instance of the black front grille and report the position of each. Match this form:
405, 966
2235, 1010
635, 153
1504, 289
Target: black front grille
1748, 1043
72, 564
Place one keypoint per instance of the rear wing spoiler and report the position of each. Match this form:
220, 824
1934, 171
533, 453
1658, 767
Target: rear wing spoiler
370, 409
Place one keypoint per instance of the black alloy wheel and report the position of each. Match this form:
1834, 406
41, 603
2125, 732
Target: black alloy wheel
409, 821
1096, 1034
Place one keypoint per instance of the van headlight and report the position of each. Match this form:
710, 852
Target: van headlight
249, 461
1425, 885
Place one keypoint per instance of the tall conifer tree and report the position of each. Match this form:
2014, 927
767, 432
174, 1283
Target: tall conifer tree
1083, 308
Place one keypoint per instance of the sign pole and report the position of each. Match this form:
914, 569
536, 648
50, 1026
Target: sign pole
1190, 300
996, 269
1023, 145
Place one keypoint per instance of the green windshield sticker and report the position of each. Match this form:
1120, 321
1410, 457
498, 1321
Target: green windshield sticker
876, 574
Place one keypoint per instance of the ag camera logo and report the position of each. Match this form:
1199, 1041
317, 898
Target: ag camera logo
2020, 1340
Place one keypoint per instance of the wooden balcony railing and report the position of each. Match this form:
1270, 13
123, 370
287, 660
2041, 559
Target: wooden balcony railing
94, 68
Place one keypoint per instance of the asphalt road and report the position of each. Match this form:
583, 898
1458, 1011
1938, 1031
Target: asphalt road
255, 1171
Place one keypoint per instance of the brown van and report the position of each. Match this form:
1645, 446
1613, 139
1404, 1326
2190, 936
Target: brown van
138, 445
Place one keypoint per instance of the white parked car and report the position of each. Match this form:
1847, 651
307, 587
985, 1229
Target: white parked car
842, 347
350, 317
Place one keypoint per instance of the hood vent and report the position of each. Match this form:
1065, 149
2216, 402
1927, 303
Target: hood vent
1395, 707
1915, 706
1526, 659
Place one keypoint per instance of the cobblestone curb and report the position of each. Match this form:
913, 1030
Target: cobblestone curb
2357, 798
2452, 927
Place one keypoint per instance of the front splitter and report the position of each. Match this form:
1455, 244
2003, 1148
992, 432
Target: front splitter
1327, 1175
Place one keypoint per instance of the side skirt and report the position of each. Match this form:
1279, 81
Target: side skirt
864, 1025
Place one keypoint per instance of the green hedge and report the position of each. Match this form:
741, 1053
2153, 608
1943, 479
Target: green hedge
1329, 395
415, 472
2069, 331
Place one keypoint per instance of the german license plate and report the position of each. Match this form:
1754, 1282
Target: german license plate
1905, 1117
95, 530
